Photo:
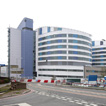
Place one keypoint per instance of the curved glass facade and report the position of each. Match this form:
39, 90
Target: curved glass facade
79, 36
52, 58
102, 48
101, 52
61, 49
79, 53
52, 52
52, 47
79, 42
52, 42
52, 36
79, 47
79, 58
69, 70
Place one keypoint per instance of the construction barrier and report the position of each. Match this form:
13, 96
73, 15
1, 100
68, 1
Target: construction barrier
52, 81
38, 80
45, 81
29, 80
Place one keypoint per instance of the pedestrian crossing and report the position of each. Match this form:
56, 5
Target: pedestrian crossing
65, 98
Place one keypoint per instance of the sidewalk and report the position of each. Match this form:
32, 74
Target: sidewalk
2, 85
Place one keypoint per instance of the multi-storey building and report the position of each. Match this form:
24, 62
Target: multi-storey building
62, 53
99, 53
53, 52
20, 48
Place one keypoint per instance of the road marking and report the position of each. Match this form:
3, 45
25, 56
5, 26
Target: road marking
65, 98
50, 88
71, 101
18, 104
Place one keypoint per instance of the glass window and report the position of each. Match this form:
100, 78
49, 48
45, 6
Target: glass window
101, 63
79, 41
48, 29
59, 41
101, 42
48, 42
48, 47
59, 57
75, 41
76, 36
59, 28
79, 36
93, 43
59, 46
75, 52
75, 47
40, 31
101, 59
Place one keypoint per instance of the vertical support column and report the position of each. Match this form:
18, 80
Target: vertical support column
9, 52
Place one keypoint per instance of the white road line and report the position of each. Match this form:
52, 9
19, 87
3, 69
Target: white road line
47, 94
64, 99
93, 105
79, 103
71, 101
19, 104
52, 96
24, 104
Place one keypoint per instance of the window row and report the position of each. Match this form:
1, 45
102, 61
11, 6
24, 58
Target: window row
52, 36
99, 49
79, 42
64, 46
60, 76
98, 60
48, 29
93, 43
79, 58
52, 52
53, 41
52, 58
79, 53
52, 47
79, 47
99, 64
79, 36
98, 56
99, 52
94, 71
64, 41
64, 57
64, 52
69, 70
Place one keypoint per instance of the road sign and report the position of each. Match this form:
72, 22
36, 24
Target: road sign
92, 78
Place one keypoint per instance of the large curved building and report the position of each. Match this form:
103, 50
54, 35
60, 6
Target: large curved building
62, 53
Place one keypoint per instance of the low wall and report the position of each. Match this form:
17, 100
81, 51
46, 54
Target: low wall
18, 85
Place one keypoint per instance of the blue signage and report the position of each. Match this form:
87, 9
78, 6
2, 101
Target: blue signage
105, 77
92, 78
2, 64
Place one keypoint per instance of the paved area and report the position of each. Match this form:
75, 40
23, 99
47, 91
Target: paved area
45, 95
2, 85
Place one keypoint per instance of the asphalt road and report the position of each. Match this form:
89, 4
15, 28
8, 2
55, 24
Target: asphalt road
50, 95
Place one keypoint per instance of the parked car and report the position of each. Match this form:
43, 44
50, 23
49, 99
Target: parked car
102, 85
69, 82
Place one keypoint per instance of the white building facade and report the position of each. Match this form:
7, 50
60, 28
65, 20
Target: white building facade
62, 53
99, 53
